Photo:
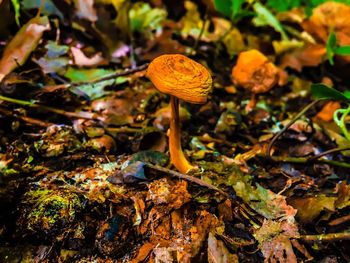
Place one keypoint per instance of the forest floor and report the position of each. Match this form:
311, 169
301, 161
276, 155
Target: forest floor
86, 174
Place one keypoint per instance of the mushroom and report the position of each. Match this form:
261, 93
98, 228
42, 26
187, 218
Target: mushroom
181, 78
255, 73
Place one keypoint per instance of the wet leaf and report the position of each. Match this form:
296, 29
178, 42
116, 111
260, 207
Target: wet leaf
24, 42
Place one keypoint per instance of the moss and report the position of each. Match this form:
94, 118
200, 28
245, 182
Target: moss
49, 210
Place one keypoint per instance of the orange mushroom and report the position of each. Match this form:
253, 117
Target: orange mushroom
255, 73
181, 78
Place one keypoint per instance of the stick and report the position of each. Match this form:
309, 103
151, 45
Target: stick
187, 178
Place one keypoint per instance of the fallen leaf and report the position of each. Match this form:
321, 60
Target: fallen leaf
274, 240
309, 208
81, 60
24, 42
310, 55
343, 191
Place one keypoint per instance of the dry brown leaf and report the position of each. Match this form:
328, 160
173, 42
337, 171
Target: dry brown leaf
144, 251
24, 42
309, 56
163, 192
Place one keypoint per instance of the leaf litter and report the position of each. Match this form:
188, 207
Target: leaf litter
85, 173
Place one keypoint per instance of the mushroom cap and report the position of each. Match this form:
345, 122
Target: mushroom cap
180, 76
254, 72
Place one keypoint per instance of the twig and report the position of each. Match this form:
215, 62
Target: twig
79, 115
306, 160
305, 109
339, 220
187, 177
112, 76
26, 119
326, 237
123, 130
334, 150
195, 46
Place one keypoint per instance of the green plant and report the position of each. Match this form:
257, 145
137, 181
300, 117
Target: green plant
333, 48
262, 15
230, 8
322, 91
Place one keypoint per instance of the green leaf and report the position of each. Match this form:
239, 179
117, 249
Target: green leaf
322, 91
265, 18
331, 47
96, 90
143, 16
17, 8
236, 7
282, 6
343, 50
224, 7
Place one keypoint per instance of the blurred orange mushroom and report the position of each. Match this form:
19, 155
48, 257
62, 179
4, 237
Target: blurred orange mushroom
181, 78
255, 73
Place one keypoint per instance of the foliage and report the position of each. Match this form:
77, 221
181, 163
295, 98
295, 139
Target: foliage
324, 92
332, 48
265, 18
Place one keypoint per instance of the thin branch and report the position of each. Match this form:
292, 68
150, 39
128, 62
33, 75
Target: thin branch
326, 237
187, 178
112, 76
302, 160
79, 115
334, 150
339, 220
30, 120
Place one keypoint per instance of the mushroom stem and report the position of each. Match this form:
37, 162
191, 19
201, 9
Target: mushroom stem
177, 156
251, 104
